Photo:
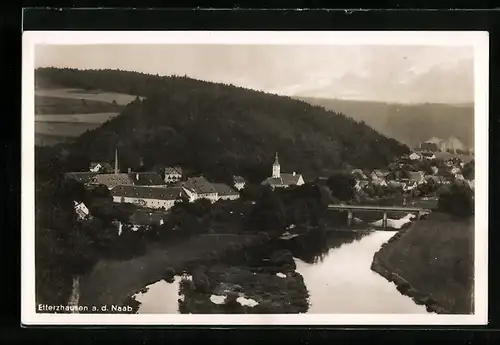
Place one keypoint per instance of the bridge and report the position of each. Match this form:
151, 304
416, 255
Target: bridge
385, 209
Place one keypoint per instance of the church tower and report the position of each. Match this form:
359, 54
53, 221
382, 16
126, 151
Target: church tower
276, 167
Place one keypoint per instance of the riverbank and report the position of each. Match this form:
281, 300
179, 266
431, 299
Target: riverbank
432, 261
112, 282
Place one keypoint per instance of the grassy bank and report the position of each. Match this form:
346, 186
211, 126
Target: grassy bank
114, 281
433, 262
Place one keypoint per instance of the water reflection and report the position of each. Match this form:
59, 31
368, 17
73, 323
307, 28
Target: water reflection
341, 281
336, 270
315, 245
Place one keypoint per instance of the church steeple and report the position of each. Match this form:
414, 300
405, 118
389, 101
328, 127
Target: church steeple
276, 167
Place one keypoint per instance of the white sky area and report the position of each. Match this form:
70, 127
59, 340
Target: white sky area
402, 74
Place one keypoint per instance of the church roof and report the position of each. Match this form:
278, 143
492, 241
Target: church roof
284, 180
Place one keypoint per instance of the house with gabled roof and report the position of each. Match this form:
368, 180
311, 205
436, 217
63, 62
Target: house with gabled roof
150, 178
82, 177
146, 196
112, 180
282, 180
224, 192
199, 187
239, 182
100, 167
173, 174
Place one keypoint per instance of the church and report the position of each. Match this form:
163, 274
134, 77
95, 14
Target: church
282, 180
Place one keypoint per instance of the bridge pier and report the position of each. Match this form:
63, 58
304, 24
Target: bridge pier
384, 221
349, 217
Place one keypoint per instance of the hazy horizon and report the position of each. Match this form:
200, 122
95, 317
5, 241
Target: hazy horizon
389, 74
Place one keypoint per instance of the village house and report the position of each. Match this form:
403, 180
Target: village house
428, 155
152, 179
429, 146
416, 177
198, 188
238, 182
224, 192
81, 210
81, 177
145, 196
173, 174
100, 167
282, 180
379, 177
112, 180
414, 156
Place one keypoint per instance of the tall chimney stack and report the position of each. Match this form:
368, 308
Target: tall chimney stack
116, 161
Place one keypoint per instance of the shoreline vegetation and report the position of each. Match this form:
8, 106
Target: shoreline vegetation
432, 262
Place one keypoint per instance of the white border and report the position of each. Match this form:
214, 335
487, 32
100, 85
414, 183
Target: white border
480, 42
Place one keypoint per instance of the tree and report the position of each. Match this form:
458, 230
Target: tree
341, 185
456, 199
268, 213
469, 170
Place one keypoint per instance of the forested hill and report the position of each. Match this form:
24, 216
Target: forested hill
222, 130
411, 124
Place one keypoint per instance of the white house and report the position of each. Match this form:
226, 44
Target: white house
100, 167
414, 156
282, 180
238, 182
146, 196
81, 210
173, 174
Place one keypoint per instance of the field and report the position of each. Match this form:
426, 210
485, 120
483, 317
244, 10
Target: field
433, 258
64, 114
91, 95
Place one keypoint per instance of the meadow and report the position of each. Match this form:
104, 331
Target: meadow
62, 114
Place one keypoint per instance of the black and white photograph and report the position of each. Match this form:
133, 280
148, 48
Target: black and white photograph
255, 177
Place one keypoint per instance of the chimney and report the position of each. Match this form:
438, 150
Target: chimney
294, 173
129, 170
116, 161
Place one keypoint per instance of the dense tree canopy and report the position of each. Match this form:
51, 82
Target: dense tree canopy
239, 130
456, 199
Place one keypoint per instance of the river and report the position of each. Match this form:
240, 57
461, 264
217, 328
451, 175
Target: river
335, 266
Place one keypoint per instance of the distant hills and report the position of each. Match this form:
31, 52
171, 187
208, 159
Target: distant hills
410, 124
220, 129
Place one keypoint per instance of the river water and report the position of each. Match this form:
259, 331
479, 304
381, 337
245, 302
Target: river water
336, 270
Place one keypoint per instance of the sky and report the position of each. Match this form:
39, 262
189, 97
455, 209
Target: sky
400, 74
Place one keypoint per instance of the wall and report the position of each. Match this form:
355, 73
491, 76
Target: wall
151, 203
229, 197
